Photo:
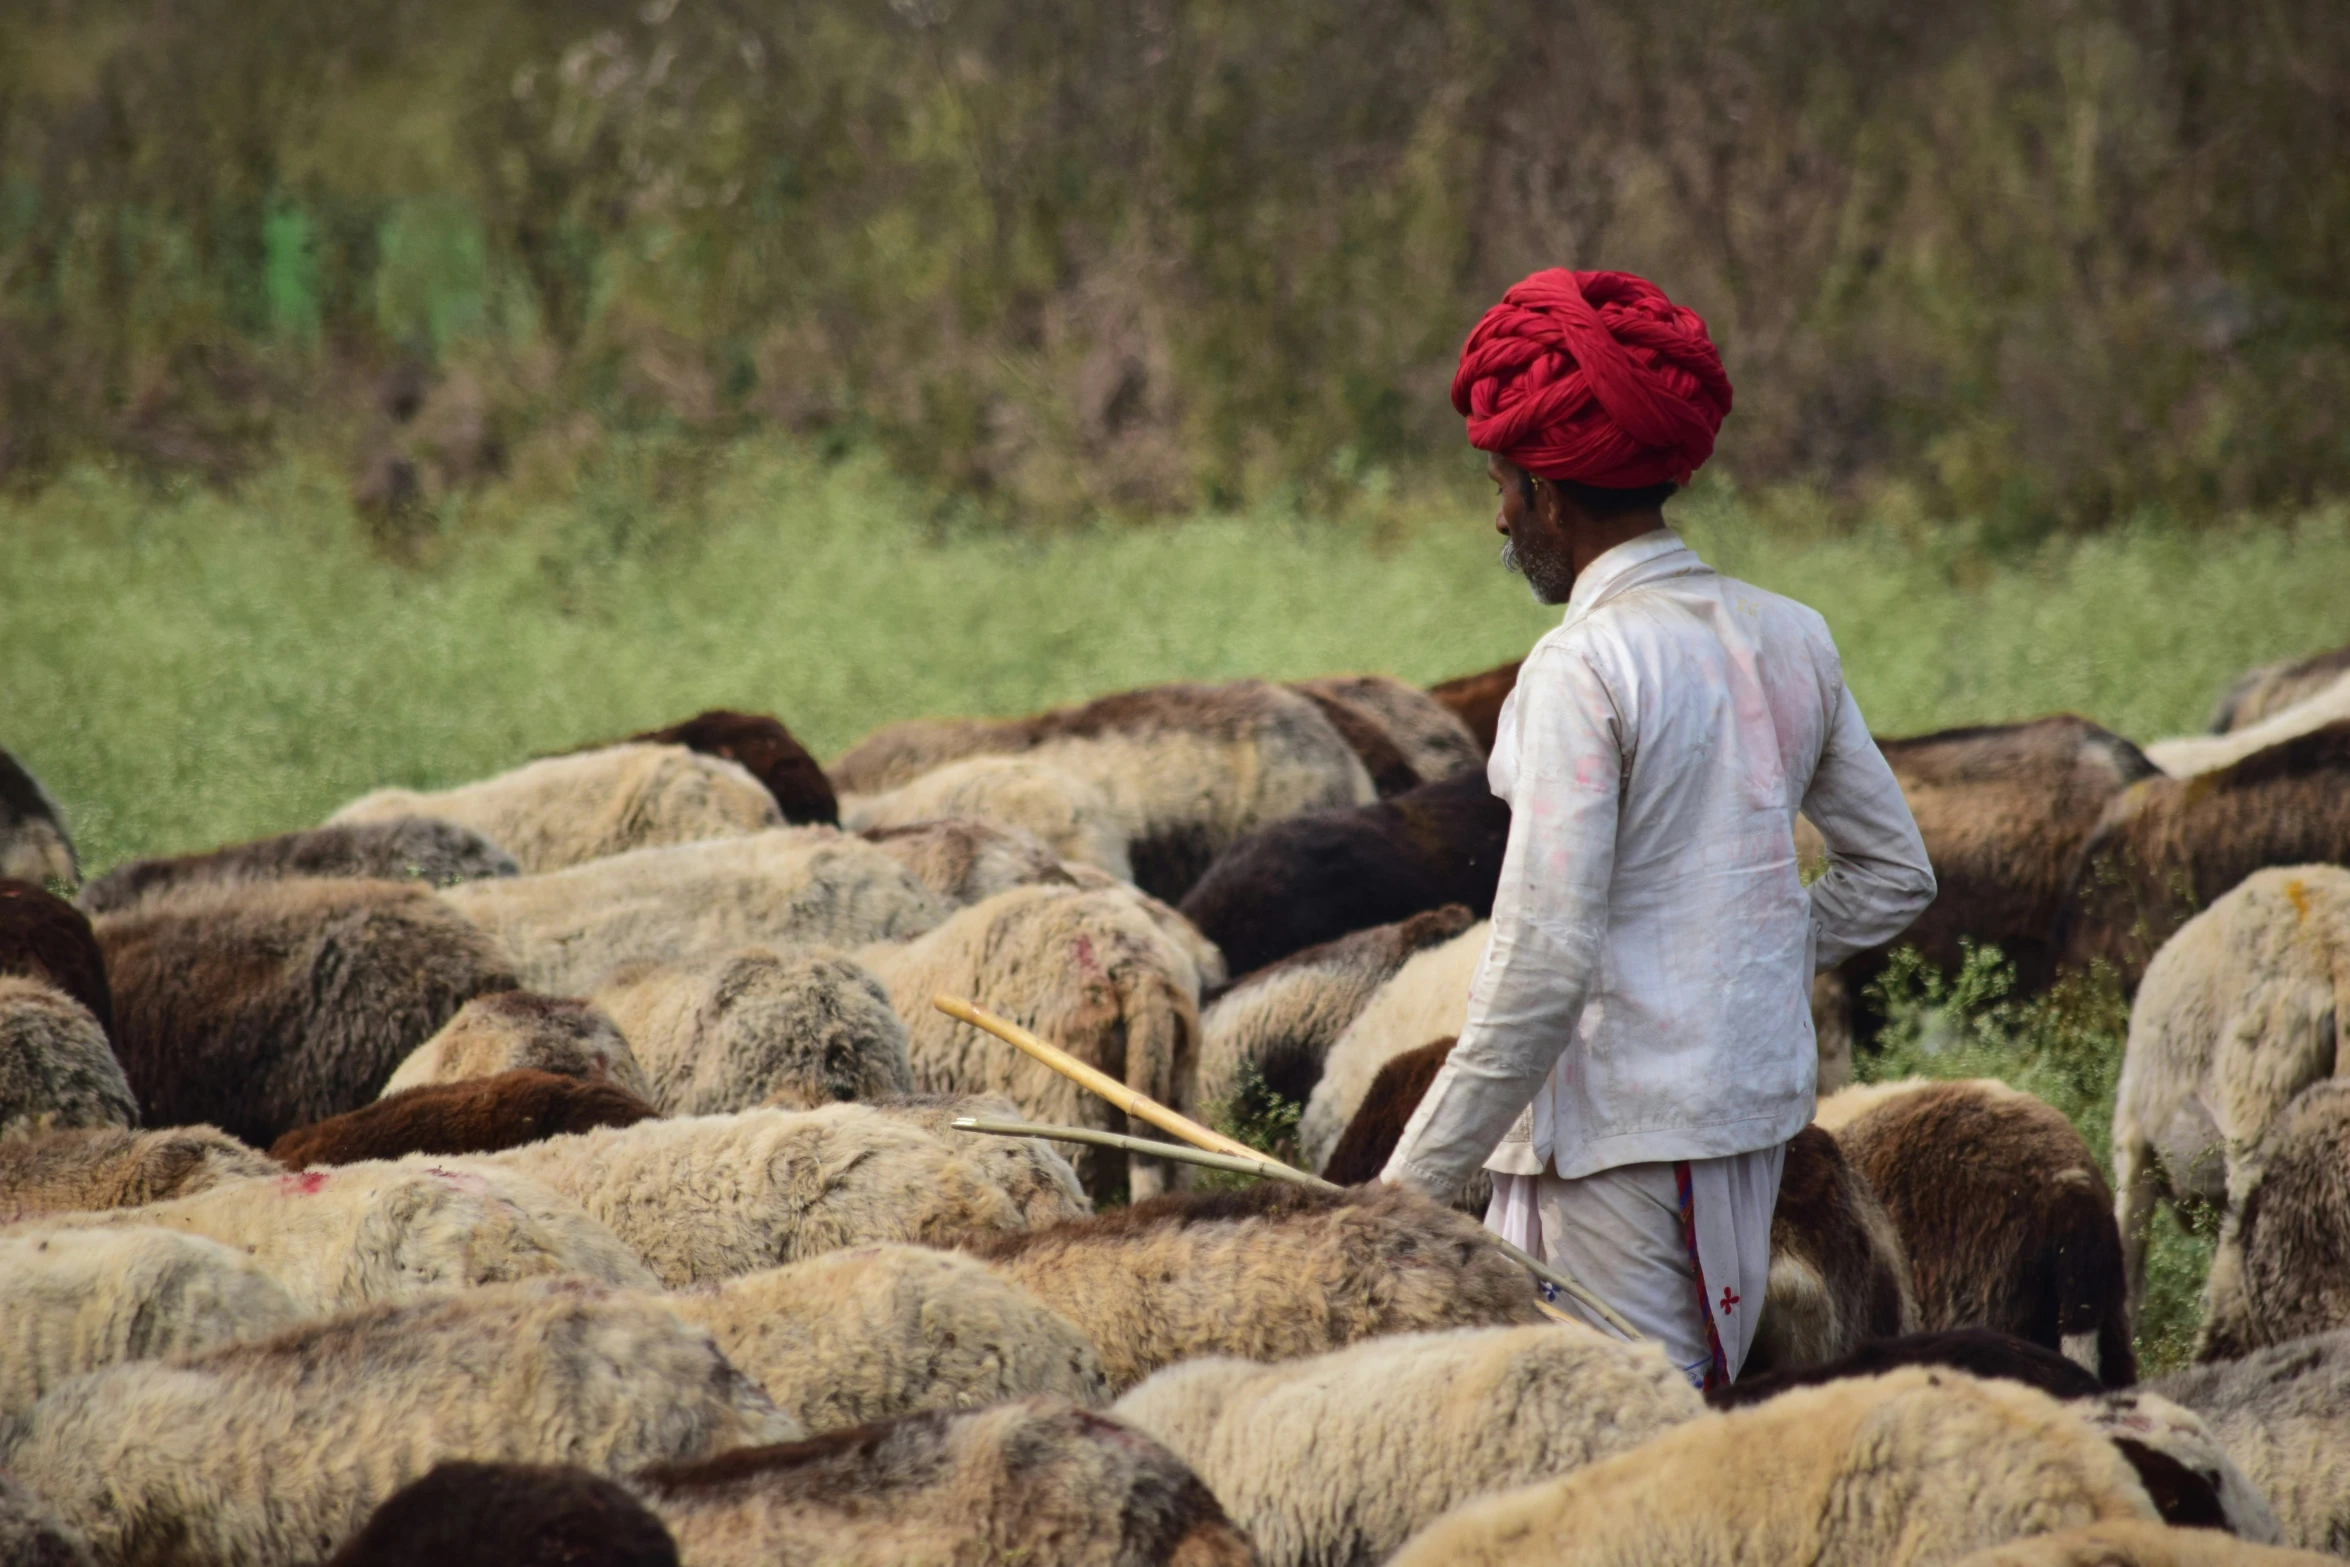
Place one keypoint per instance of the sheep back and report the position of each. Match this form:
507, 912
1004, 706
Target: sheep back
2282, 1270
2139, 1544
34, 845
56, 1069
2283, 1415
799, 1029
2271, 688
204, 1458
966, 861
96, 1168
1429, 737
265, 1007
1041, 1182
1273, 1272
1070, 816
400, 848
875, 1332
44, 937
765, 749
1427, 998
467, 1514
1838, 1276
521, 1030
478, 1115
1476, 700
1341, 1458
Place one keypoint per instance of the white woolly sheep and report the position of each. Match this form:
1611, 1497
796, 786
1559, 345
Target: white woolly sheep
2148, 1421
704, 1198
1086, 970
2139, 1545
56, 1068
75, 1300
967, 861
1337, 1460
363, 1233
1039, 1179
1271, 1272
2237, 1014
269, 1454
2188, 755
1037, 1482
111, 1167
875, 1332
1068, 815
521, 1030
790, 887
753, 1026
402, 848
1427, 998
1205, 955
1186, 769
1903, 1470
563, 810
2283, 1415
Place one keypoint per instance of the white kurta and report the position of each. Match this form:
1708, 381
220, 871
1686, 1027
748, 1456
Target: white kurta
1644, 997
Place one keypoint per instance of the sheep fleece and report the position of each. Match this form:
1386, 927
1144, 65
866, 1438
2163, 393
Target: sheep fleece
269, 1454
512, 1030
1337, 1460
56, 1069
95, 1168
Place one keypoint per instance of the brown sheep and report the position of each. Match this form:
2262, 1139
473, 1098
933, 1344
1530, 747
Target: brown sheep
1382, 756
266, 1007
514, 1030
56, 1069
2002, 1210
2270, 689
1283, 1019
2184, 756
1316, 876
34, 845
1370, 1138
91, 1169
565, 810
1188, 769
1038, 1482
1272, 1272
2282, 1270
44, 937
468, 1514
1838, 1277
1430, 736
767, 751
1476, 699
796, 1029
479, 1115
1088, 971
404, 848
2171, 846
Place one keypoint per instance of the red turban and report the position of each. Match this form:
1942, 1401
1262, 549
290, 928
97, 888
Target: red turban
1594, 377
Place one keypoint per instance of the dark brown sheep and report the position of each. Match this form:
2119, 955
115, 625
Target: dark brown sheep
2004, 1213
1391, 771
1317, 876
2169, 847
44, 937
34, 845
2282, 1271
479, 1115
1838, 1277
1037, 1481
2005, 812
406, 848
1370, 1138
1404, 736
266, 1007
2269, 690
767, 750
1476, 699
465, 1514
1979, 1352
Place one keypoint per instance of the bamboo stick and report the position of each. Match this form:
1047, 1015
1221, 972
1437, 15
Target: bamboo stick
1240, 1156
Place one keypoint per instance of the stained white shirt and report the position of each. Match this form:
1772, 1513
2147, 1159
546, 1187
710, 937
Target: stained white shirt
1645, 992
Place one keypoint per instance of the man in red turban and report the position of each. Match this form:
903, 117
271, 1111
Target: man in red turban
1638, 1048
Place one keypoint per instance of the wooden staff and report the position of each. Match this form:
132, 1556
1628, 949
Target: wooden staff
1242, 1157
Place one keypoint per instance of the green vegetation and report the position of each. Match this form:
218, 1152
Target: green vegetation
2042, 265
184, 668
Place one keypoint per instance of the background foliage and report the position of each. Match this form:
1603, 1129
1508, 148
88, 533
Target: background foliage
2043, 264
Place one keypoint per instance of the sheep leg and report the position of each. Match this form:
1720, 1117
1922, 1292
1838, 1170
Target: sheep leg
2138, 1184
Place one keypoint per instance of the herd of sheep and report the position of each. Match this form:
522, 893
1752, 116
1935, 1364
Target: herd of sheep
559, 1168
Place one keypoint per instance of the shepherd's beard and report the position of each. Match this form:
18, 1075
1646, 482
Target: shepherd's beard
1549, 578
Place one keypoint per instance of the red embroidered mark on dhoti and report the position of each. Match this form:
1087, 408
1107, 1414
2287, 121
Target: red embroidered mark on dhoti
1717, 1371
1730, 1300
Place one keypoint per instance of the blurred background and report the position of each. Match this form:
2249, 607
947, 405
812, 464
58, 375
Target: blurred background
390, 391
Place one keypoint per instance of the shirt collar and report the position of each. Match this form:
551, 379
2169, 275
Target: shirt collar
1634, 563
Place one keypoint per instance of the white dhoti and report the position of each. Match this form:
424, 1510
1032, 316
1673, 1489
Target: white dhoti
1656, 1240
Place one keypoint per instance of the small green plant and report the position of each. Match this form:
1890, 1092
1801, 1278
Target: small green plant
1258, 1115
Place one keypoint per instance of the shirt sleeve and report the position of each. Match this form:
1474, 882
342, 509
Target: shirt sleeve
1878, 878
1549, 925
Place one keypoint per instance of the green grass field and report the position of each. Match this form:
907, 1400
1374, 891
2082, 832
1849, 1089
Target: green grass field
186, 668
